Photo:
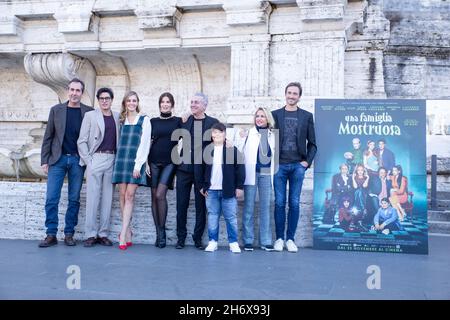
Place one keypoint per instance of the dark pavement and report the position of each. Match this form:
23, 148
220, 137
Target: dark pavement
146, 272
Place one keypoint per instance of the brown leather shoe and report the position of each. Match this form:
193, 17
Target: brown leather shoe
90, 242
104, 241
48, 242
68, 240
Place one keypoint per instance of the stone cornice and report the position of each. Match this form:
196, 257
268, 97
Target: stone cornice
74, 16
250, 12
10, 26
319, 10
157, 14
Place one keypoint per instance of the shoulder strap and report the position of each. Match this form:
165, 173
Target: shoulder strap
141, 120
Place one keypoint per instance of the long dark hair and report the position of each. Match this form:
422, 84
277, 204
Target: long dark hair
345, 198
400, 174
374, 151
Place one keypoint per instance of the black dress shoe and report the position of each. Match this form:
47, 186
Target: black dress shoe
68, 240
48, 242
199, 245
180, 245
104, 241
90, 242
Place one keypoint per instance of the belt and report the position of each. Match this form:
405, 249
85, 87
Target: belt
71, 154
106, 151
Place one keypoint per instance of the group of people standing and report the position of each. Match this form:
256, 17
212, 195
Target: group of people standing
130, 150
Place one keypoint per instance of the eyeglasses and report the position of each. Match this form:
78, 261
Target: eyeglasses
104, 99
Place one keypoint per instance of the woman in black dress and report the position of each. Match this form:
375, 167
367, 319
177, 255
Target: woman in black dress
162, 168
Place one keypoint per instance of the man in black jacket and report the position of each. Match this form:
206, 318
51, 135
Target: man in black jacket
297, 148
59, 157
379, 188
196, 136
341, 187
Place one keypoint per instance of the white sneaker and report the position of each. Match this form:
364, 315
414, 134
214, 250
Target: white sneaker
291, 247
385, 231
234, 247
212, 246
278, 245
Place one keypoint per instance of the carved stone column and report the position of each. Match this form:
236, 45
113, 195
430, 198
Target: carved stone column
55, 70
250, 42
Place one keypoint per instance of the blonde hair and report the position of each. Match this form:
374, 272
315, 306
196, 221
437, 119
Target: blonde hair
123, 109
269, 117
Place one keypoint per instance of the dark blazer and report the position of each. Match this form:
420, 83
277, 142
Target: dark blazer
233, 173
375, 185
54, 132
198, 169
339, 187
306, 137
387, 160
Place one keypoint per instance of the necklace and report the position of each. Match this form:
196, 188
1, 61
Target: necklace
264, 151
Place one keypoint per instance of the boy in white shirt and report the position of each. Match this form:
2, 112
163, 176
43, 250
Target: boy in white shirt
223, 183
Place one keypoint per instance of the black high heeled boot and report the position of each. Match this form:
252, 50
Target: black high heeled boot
158, 232
162, 237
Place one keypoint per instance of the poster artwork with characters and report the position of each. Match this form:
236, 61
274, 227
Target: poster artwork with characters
370, 186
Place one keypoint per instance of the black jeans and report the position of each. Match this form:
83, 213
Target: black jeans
185, 180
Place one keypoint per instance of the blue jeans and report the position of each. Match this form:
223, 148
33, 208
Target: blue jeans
216, 205
294, 173
56, 173
360, 198
264, 185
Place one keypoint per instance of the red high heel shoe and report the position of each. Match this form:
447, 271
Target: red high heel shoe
129, 244
122, 246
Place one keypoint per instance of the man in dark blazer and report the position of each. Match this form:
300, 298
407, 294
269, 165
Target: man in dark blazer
296, 151
59, 157
341, 187
386, 157
196, 136
379, 188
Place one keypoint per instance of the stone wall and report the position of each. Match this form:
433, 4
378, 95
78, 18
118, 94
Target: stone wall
417, 59
22, 215
240, 53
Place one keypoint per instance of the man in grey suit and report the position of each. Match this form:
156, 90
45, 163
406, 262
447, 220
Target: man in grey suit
59, 157
97, 145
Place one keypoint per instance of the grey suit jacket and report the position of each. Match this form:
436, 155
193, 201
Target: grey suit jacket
92, 133
54, 132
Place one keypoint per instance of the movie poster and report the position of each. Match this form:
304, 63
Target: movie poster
370, 186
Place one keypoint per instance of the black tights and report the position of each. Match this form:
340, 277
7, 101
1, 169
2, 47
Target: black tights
159, 205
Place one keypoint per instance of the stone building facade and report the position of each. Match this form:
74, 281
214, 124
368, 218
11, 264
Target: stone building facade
240, 53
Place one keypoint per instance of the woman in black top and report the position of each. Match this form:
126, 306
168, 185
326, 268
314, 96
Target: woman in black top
162, 169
